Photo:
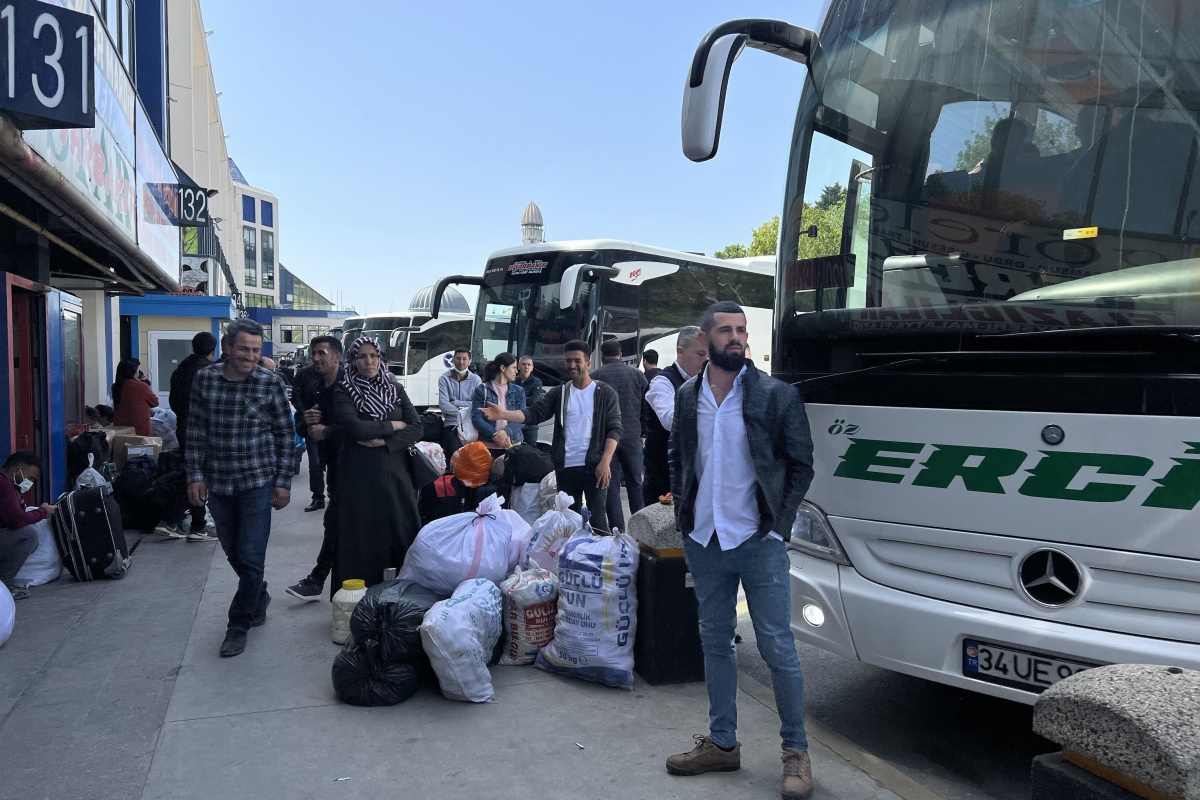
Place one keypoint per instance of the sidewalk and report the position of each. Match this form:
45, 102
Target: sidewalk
115, 690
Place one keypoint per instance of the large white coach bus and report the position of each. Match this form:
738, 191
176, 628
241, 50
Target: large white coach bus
996, 325
535, 298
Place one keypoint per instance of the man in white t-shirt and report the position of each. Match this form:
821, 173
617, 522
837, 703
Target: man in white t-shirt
587, 428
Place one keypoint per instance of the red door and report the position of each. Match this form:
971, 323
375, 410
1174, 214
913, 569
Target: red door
27, 338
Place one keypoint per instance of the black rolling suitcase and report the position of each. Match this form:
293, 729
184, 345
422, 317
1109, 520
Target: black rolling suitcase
91, 540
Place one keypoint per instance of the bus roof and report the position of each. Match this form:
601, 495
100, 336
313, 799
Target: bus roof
762, 265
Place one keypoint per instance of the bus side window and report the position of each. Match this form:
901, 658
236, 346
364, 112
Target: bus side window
418, 354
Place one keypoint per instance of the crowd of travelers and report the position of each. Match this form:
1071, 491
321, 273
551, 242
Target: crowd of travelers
728, 446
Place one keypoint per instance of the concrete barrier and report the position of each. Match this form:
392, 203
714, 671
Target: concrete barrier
1135, 725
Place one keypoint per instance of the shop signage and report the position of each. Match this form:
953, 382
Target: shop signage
193, 207
47, 63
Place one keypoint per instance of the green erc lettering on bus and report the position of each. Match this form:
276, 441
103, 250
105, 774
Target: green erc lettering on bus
982, 468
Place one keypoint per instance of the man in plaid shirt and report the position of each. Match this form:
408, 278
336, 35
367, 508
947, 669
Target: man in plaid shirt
239, 460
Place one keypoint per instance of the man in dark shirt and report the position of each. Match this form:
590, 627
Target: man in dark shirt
650, 365
313, 398
17, 539
239, 461
631, 388
204, 347
534, 391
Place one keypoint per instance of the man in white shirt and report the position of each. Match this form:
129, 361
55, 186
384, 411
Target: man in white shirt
658, 410
587, 428
741, 461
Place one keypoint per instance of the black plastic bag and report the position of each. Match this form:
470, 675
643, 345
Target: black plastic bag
390, 616
361, 678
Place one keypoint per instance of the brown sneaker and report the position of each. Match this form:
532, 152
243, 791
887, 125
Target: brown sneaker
797, 775
706, 757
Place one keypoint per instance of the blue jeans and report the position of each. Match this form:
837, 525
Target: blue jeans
761, 565
243, 527
627, 468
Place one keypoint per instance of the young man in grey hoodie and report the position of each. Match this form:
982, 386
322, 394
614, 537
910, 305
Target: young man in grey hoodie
455, 388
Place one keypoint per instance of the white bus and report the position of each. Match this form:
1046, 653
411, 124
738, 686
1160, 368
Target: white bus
417, 347
535, 298
996, 328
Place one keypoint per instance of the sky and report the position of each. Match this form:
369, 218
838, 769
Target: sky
404, 139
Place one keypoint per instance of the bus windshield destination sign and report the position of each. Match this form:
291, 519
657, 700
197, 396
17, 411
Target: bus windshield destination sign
47, 63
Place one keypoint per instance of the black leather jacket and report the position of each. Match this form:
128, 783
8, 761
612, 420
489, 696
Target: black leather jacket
780, 446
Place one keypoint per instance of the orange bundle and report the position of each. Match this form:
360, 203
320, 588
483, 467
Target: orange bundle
472, 464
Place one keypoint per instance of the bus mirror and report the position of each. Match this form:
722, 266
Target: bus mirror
575, 276
708, 78
398, 335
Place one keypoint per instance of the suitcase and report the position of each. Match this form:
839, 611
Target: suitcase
90, 538
667, 646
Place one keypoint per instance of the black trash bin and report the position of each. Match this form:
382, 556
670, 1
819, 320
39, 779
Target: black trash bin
666, 648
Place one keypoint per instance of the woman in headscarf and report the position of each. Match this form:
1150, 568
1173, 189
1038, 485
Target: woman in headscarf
377, 505
132, 398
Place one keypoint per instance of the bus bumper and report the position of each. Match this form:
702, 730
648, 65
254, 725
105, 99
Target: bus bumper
923, 637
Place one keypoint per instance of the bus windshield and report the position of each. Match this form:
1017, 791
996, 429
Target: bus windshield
995, 167
519, 310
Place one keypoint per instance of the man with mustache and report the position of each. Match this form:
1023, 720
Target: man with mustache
741, 461
587, 428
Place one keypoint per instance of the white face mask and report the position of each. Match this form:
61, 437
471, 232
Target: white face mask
458, 371
24, 485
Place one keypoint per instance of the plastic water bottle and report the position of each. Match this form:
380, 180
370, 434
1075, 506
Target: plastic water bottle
344, 601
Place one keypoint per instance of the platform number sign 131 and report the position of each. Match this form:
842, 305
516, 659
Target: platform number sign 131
47, 65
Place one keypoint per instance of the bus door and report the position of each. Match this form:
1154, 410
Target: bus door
622, 324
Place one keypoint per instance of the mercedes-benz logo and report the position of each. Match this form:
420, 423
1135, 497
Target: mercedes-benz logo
1050, 577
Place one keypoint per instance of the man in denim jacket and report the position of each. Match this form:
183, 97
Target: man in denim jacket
741, 461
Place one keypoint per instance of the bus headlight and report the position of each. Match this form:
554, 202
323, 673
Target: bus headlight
813, 535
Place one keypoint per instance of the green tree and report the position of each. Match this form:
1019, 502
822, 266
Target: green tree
763, 240
732, 251
1051, 137
832, 195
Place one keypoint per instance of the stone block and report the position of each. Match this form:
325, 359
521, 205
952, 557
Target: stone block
654, 527
1055, 778
1140, 720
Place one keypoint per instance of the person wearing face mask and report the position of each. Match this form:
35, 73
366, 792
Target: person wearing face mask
18, 539
456, 387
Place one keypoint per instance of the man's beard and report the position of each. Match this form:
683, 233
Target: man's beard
730, 362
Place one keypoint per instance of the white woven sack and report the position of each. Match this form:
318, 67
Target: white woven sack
459, 636
460, 547
550, 534
44, 564
530, 603
524, 500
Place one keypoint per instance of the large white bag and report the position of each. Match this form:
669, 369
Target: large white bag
597, 610
44, 564
524, 500
459, 636
466, 428
8, 614
436, 455
550, 534
530, 603
547, 491
474, 544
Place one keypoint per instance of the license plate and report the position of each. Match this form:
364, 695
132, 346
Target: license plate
1032, 672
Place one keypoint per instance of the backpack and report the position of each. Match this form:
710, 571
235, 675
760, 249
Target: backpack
132, 492
93, 442
526, 463
432, 427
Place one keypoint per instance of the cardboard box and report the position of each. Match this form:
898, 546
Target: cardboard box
126, 445
112, 433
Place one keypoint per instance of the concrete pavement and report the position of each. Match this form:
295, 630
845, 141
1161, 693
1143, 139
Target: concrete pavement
115, 690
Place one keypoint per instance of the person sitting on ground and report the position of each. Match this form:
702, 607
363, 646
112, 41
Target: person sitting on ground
18, 539
133, 398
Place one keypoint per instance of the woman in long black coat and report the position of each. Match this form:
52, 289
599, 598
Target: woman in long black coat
377, 505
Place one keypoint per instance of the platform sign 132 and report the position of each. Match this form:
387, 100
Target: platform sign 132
47, 65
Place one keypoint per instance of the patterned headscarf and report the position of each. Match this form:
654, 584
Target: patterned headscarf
376, 396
